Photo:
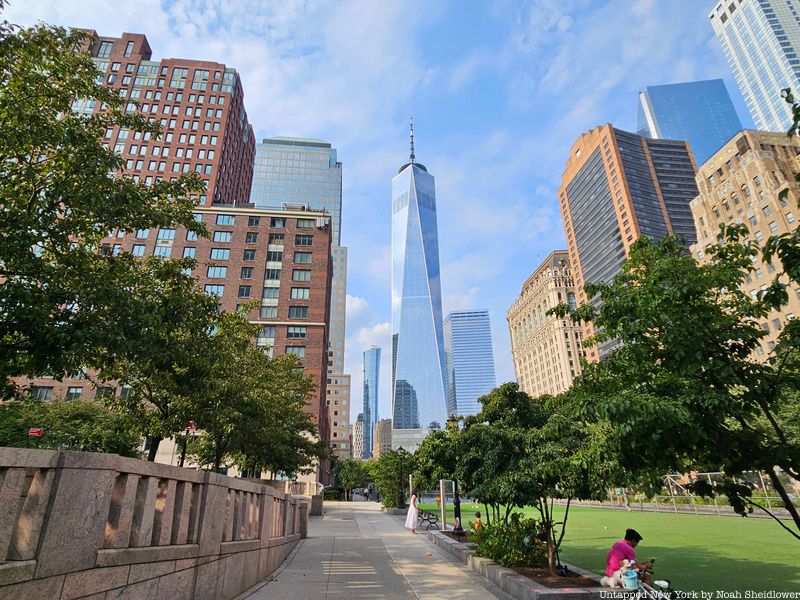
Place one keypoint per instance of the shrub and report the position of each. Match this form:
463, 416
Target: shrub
332, 494
514, 543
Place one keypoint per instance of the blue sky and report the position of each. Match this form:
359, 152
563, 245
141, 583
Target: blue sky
499, 91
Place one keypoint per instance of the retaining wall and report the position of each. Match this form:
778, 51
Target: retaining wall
100, 526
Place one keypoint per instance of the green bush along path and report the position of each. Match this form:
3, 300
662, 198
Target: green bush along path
695, 552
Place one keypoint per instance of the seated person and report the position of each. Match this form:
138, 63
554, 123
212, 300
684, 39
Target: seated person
477, 525
622, 557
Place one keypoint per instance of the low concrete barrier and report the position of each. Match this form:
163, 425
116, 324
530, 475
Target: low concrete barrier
100, 526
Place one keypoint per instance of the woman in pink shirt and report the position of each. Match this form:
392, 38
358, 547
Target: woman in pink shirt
620, 551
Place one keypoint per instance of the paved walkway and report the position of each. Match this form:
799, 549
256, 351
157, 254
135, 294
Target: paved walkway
356, 552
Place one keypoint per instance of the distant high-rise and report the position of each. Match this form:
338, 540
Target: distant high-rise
383, 437
418, 399
468, 360
305, 174
761, 41
358, 436
700, 112
617, 187
372, 366
546, 349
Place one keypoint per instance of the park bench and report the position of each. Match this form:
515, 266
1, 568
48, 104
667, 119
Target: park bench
429, 520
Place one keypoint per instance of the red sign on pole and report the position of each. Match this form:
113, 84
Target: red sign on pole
190, 426
35, 432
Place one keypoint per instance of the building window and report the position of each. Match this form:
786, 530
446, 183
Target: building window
41, 393
753, 221
300, 293
276, 238
272, 274
278, 222
302, 257
790, 217
74, 393
757, 180
251, 237
773, 227
298, 351
142, 234
163, 251
189, 252
129, 49
247, 273
305, 223
138, 250
223, 236
298, 312
253, 221
767, 211
244, 291
301, 275
271, 292
191, 236
217, 272
304, 240
166, 234
296, 332
220, 253
274, 256
268, 312
225, 219
104, 50
214, 290
249, 255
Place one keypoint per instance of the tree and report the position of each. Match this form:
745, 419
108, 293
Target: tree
351, 473
168, 325
62, 191
250, 407
68, 425
390, 473
682, 391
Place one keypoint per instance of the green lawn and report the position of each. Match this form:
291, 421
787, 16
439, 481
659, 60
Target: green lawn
696, 552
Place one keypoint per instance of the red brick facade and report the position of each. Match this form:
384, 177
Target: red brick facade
200, 106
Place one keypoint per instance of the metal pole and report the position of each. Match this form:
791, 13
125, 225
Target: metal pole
764, 487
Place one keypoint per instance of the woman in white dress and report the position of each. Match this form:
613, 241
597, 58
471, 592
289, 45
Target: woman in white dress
413, 511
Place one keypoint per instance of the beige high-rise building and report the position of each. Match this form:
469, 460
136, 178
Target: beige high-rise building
383, 437
545, 348
358, 436
741, 183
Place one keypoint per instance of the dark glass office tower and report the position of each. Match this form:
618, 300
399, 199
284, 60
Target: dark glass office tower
700, 112
616, 188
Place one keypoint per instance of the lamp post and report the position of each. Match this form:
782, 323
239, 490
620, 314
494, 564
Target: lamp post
400, 499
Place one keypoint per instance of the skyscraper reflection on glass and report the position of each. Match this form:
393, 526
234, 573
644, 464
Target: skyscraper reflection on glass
418, 399
372, 365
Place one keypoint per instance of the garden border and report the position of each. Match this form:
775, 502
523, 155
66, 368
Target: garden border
518, 586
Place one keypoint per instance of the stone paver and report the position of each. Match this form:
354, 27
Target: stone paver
356, 552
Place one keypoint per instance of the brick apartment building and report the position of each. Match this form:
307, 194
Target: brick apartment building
200, 106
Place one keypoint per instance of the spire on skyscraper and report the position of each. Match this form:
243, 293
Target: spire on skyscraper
411, 127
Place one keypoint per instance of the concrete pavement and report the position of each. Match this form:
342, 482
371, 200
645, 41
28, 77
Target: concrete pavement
356, 552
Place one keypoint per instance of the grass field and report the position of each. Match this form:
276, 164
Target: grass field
696, 552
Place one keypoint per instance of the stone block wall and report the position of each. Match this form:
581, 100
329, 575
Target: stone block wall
99, 526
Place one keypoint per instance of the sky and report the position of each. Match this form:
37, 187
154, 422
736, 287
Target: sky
499, 90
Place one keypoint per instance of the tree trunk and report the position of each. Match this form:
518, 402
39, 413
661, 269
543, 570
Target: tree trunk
787, 501
486, 514
547, 517
154, 443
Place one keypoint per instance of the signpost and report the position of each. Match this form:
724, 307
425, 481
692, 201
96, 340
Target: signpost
35, 432
190, 427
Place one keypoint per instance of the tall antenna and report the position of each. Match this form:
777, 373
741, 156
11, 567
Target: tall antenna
411, 125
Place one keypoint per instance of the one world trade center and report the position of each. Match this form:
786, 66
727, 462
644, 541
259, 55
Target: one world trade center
418, 398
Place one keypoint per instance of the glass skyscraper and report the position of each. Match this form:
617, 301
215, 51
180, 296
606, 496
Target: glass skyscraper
468, 360
418, 400
299, 173
372, 366
700, 112
761, 41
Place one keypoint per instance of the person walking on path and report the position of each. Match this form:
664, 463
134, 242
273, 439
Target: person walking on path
411, 516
